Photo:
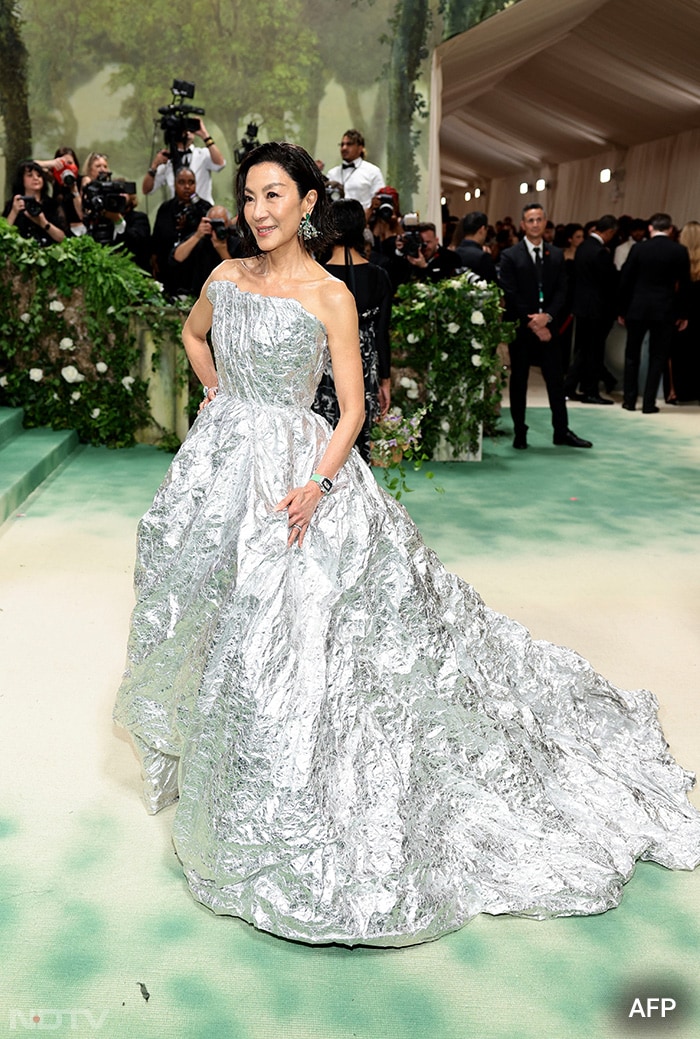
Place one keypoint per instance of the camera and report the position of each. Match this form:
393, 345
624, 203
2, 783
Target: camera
31, 206
105, 195
65, 174
177, 118
385, 209
219, 228
334, 190
248, 143
412, 242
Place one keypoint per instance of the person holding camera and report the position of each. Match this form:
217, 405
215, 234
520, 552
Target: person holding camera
214, 240
176, 220
202, 161
358, 178
64, 168
424, 259
31, 209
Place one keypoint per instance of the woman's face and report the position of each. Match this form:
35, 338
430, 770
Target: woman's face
185, 185
98, 165
576, 238
272, 206
33, 182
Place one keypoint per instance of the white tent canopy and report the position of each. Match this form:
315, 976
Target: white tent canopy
560, 89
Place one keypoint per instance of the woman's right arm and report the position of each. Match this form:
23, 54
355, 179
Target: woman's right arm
15, 209
194, 337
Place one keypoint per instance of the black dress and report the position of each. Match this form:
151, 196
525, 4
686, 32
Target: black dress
685, 352
371, 287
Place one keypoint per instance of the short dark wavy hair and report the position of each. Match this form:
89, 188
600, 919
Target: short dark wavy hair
297, 164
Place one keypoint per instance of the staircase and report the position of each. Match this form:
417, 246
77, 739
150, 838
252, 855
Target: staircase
27, 458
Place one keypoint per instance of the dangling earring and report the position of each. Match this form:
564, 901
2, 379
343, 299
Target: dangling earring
307, 232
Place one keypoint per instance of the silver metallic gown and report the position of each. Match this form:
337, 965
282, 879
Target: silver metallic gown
363, 751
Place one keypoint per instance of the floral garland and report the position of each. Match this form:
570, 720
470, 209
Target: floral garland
445, 351
67, 345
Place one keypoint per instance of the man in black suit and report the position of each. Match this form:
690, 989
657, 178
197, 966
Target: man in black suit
533, 280
594, 306
654, 285
471, 249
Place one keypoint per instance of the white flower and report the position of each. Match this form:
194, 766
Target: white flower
56, 305
71, 374
95, 413
66, 343
477, 318
412, 394
492, 378
128, 382
445, 426
411, 338
25, 317
36, 374
111, 310
453, 328
443, 357
481, 284
476, 345
405, 382
476, 360
3, 380
101, 367
55, 396
75, 395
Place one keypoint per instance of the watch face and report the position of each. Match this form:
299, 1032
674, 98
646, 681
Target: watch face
326, 485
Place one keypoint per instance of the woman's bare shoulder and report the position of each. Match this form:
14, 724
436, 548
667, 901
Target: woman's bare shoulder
230, 270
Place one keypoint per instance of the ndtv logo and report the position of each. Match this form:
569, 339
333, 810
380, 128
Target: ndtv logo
51, 1020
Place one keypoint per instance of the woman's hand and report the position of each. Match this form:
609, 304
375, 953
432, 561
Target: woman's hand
384, 396
208, 398
300, 504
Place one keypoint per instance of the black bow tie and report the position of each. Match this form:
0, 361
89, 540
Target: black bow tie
348, 165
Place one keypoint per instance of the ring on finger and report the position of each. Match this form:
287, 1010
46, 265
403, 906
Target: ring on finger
295, 525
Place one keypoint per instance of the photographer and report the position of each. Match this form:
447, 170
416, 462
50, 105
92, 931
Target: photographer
66, 188
176, 220
384, 221
107, 206
423, 258
215, 240
31, 209
202, 161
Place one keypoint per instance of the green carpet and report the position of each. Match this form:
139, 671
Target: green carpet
94, 911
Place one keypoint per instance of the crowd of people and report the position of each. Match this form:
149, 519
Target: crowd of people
59, 197
565, 285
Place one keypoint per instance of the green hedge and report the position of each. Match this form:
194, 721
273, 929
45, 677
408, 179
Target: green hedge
67, 345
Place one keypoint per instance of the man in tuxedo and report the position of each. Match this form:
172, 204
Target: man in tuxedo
359, 179
533, 279
654, 286
594, 306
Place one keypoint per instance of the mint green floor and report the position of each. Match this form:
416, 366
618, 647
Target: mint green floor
92, 900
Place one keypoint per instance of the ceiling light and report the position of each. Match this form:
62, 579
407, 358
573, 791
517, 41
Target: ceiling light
605, 176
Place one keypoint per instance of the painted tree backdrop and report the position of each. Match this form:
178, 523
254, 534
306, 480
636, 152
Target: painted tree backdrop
301, 69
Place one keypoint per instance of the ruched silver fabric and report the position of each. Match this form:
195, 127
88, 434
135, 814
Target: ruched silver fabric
363, 751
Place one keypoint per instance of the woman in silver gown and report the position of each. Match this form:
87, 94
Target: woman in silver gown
361, 750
